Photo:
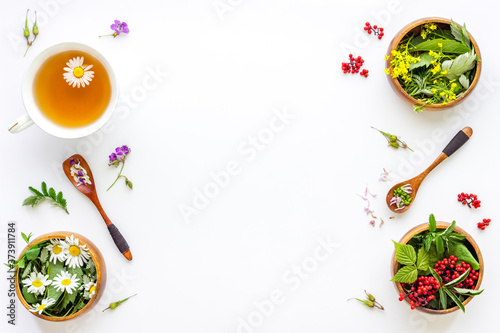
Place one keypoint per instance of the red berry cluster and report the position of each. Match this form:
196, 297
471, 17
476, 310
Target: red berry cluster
377, 31
469, 200
354, 65
421, 291
449, 270
484, 224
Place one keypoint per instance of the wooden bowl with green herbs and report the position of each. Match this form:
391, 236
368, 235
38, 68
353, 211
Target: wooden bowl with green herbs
447, 261
60, 276
433, 64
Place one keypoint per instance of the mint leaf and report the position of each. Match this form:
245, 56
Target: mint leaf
405, 254
460, 65
422, 259
428, 242
449, 230
407, 274
432, 223
439, 244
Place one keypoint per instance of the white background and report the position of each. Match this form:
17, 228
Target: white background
223, 75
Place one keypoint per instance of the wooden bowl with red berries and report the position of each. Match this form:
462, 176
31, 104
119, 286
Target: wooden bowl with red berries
448, 269
415, 29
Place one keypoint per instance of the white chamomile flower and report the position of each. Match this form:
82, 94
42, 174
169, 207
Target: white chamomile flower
44, 304
66, 282
90, 287
76, 254
56, 250
36, 283
78, 74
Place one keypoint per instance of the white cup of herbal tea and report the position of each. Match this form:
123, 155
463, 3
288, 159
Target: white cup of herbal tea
69, 91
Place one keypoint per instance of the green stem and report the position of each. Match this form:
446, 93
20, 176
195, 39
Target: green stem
119, 175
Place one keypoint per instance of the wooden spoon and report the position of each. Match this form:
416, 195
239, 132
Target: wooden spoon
455, 143
91, 193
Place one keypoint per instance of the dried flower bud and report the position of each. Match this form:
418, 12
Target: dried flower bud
26, 30
35, 27
370, 296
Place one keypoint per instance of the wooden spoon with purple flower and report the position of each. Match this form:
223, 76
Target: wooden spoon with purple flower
402, 195
78, 172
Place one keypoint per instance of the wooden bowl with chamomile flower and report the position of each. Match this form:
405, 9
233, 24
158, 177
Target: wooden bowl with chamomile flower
60, 276
419, 81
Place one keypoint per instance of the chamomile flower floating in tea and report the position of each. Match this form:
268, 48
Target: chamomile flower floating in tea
36, 283
76, 254
66, 282
56, 250
44, 304
78, 74
79, 173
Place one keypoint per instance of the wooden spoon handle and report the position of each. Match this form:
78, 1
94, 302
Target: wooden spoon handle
120, 241
458, 141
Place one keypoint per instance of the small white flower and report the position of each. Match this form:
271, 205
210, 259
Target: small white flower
90, 287
56, 250
76, 254
79, 173
36, 283
66, 282
78, 74
44, 304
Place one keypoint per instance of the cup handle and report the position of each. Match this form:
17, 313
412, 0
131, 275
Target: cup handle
20, 124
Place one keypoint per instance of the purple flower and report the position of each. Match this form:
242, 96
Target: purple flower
119, 27
118, 157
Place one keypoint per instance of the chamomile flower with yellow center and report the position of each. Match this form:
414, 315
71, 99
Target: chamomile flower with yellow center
90, 287
56, 250
41, 307
36, 283
77, 74
76, 254
66, 282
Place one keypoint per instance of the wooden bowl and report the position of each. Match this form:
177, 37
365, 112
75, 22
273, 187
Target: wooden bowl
100, 266
416, 27
439, 225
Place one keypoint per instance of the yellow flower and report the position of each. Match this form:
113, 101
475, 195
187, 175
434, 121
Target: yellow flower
387, 71
440, 44
386, 57
444, 72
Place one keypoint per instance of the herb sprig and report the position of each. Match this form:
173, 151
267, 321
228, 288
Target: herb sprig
46, 194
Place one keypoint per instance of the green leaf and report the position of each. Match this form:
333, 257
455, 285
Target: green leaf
468, 292
439, 244
52, 194
443, 298
458, 279
26, 270
432, 223
52, 292
428, 242
462, 253
44, 255
37, 193
28, 297
425, 60
44, 189
68, 298
30, 200
460, 65
32, 253
405, 254
448, 230
465, 36
407, 274
448, 46
464, 81
437, 277
22, 262
422, 259
26, 237
59, 197
455, 299
456, 31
